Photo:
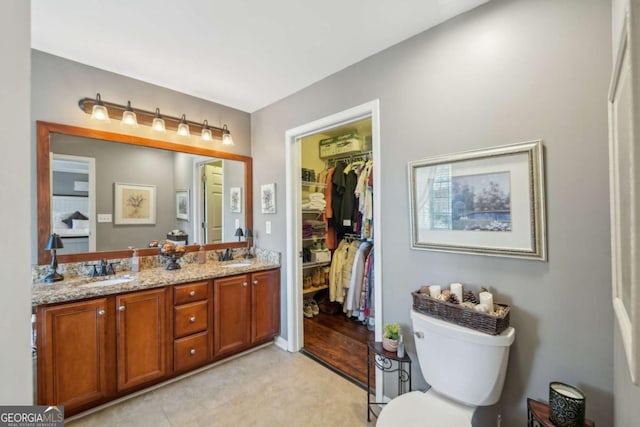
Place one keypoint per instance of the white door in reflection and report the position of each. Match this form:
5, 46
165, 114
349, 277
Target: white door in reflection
213, 201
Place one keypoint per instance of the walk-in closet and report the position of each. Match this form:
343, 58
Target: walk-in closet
338, 247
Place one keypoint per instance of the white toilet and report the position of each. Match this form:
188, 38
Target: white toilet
464, 367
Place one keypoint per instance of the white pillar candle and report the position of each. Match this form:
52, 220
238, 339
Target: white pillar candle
456, 289
434, 291
486, 298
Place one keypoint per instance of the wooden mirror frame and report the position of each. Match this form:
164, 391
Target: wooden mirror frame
44, 131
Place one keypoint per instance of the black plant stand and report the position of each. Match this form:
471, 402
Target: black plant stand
386, 361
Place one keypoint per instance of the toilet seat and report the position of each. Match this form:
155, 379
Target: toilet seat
424, 409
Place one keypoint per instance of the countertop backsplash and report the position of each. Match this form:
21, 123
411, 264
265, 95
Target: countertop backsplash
82, 269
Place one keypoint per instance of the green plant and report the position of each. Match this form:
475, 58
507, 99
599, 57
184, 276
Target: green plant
392, 331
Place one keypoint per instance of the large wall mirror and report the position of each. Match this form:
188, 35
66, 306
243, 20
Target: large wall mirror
104, 192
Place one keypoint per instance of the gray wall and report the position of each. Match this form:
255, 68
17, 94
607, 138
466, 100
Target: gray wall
129, 164
506, 72
57, 84
15, 150
63, 183
626, 409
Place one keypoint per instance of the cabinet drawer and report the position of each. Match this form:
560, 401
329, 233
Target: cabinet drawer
190, 351
190, 292
190, 318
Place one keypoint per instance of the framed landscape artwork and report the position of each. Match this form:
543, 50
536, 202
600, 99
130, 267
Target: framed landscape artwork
134, 204
487, 202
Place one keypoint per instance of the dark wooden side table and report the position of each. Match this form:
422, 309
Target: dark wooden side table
538, 415
378, 357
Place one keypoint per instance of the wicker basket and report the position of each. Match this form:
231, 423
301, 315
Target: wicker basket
460, 315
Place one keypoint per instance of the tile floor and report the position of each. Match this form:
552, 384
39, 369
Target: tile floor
269, 387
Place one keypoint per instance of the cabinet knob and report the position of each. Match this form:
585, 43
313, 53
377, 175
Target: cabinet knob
192, 319
419, 334
100, 312
244, 284
121, 308
192, 351
192, 293
255, 282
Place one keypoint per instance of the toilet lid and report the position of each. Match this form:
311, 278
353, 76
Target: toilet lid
418, 409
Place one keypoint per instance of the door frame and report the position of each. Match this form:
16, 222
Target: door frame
295, 332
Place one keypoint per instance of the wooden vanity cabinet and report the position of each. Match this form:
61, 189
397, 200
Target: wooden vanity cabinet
76, 344
142, 337
246, 311
265, 305
191, 325
93, 351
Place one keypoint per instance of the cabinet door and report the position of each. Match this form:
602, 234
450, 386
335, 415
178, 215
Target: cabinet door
142, 332
232, 315
73, 351
265, 290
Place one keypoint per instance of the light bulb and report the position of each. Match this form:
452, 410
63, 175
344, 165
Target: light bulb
183, 127
226, 136
99, 111
129, 116
158, 122
206, 132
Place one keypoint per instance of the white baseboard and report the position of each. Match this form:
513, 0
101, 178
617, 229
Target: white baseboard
282, 343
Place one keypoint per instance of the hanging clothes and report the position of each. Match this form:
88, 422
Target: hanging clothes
341, 269
352, 304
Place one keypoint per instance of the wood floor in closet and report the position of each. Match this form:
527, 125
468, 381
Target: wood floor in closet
339, 342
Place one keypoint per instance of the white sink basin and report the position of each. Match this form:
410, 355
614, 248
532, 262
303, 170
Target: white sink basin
110, 282
238, 264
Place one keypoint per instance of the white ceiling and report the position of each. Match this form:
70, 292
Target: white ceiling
245, 54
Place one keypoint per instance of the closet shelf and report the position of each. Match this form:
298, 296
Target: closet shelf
315, 211
312, 184
315, 238
314, 289
314, 264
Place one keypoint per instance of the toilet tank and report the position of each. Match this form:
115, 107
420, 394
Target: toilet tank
461, 363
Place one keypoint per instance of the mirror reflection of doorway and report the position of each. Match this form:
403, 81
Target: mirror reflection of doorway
212, 207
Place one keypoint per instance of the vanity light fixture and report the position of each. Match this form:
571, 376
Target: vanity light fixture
99, 111
129, 116
183, 127
158, 122
206, 132
226, 136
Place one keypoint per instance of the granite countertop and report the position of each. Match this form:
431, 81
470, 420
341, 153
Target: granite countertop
78, 288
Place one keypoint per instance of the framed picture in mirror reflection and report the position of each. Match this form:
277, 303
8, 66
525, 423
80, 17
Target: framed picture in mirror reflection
235, 199
134, 204
182, 204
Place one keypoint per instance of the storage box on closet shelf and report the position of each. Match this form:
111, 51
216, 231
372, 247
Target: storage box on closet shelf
337, 145
463, 308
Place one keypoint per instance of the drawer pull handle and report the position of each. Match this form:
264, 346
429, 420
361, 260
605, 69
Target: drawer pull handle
255, 282
192, 351
419, 334
244, 284
121, 308
100, 313
192, 319
192, 293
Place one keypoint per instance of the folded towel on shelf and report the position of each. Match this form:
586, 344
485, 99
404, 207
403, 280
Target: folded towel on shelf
316, 196
315, 204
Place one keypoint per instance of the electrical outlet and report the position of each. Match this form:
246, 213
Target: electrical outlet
104, 217
267, 226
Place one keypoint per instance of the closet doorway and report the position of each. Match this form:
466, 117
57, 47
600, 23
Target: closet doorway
334, 297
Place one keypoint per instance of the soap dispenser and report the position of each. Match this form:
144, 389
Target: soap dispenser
202, 255
135, 262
